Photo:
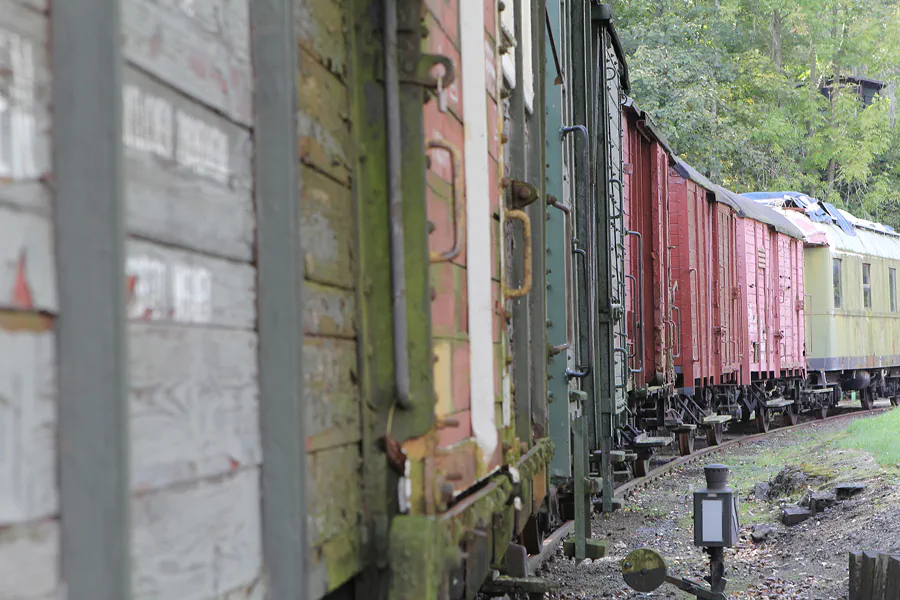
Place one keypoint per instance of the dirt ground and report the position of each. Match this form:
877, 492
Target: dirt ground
807, 561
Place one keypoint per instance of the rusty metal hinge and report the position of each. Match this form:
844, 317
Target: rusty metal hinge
523, 194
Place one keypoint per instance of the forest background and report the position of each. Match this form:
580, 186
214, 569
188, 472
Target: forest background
736, 87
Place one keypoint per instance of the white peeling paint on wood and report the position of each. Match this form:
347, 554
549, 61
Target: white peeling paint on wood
478, 228
29, 562
24, 106
28, 488
200, 47
24, 92
194, 403
255, 591
188, 171
172, 285
38, 5
197, 543
27, 263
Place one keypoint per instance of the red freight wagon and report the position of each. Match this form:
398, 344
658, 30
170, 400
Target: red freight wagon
707, 268
649, 310
739, 273
773, 357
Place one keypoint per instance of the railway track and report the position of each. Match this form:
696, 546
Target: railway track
550, 543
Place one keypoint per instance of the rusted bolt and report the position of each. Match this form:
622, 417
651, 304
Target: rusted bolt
523, 193
431, 227
523, 447
504, 138
505, 182
507, 446
509, 359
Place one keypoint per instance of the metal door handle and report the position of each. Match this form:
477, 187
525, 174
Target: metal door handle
448, 255
583, 371
522, 216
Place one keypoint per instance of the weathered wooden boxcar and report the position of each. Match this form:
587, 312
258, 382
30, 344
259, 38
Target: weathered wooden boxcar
742, 335
586, 80
652, 324
235, 364
850, 298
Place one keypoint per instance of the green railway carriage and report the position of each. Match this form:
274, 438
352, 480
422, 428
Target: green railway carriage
853, 319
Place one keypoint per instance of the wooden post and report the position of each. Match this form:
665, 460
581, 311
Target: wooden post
91, 333
282, 413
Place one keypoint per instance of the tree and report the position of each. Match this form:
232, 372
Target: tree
736, 85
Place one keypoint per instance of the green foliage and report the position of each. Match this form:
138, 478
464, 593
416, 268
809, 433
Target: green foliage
877, 435
735, 84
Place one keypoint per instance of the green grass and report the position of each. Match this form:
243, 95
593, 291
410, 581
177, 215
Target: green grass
878, 435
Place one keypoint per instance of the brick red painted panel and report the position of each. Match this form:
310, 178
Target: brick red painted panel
490, 17
449, 436
444, 126
446, 13
461, 375
440, 214
444, 302
494, 128
438, 42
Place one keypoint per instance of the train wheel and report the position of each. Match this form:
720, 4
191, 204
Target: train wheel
867, 400
641, 467
762, 418
895, 401
685, 443
714, 435
790, 415
822, 411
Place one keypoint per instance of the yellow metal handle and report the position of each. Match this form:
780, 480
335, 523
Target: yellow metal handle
456, 188
522, 216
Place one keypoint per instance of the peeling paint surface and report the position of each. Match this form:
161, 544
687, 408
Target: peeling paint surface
478, 231
27, 427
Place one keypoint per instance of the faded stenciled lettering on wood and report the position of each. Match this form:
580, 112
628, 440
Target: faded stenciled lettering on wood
188, 171
151, 124
177, 286
18, 125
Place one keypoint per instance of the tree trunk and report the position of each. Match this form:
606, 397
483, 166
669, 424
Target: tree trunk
776, 41
832, 167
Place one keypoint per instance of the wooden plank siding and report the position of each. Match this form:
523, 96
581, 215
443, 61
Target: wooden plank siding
328, 226
194, 391
194, 399
29, 490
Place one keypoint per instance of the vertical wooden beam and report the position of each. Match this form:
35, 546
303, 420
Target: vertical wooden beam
91, 329
279, 268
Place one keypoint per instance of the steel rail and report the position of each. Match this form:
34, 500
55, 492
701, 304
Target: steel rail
549, 544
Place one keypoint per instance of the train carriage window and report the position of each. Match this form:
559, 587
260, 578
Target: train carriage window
836, 276
892, 283
867, 285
